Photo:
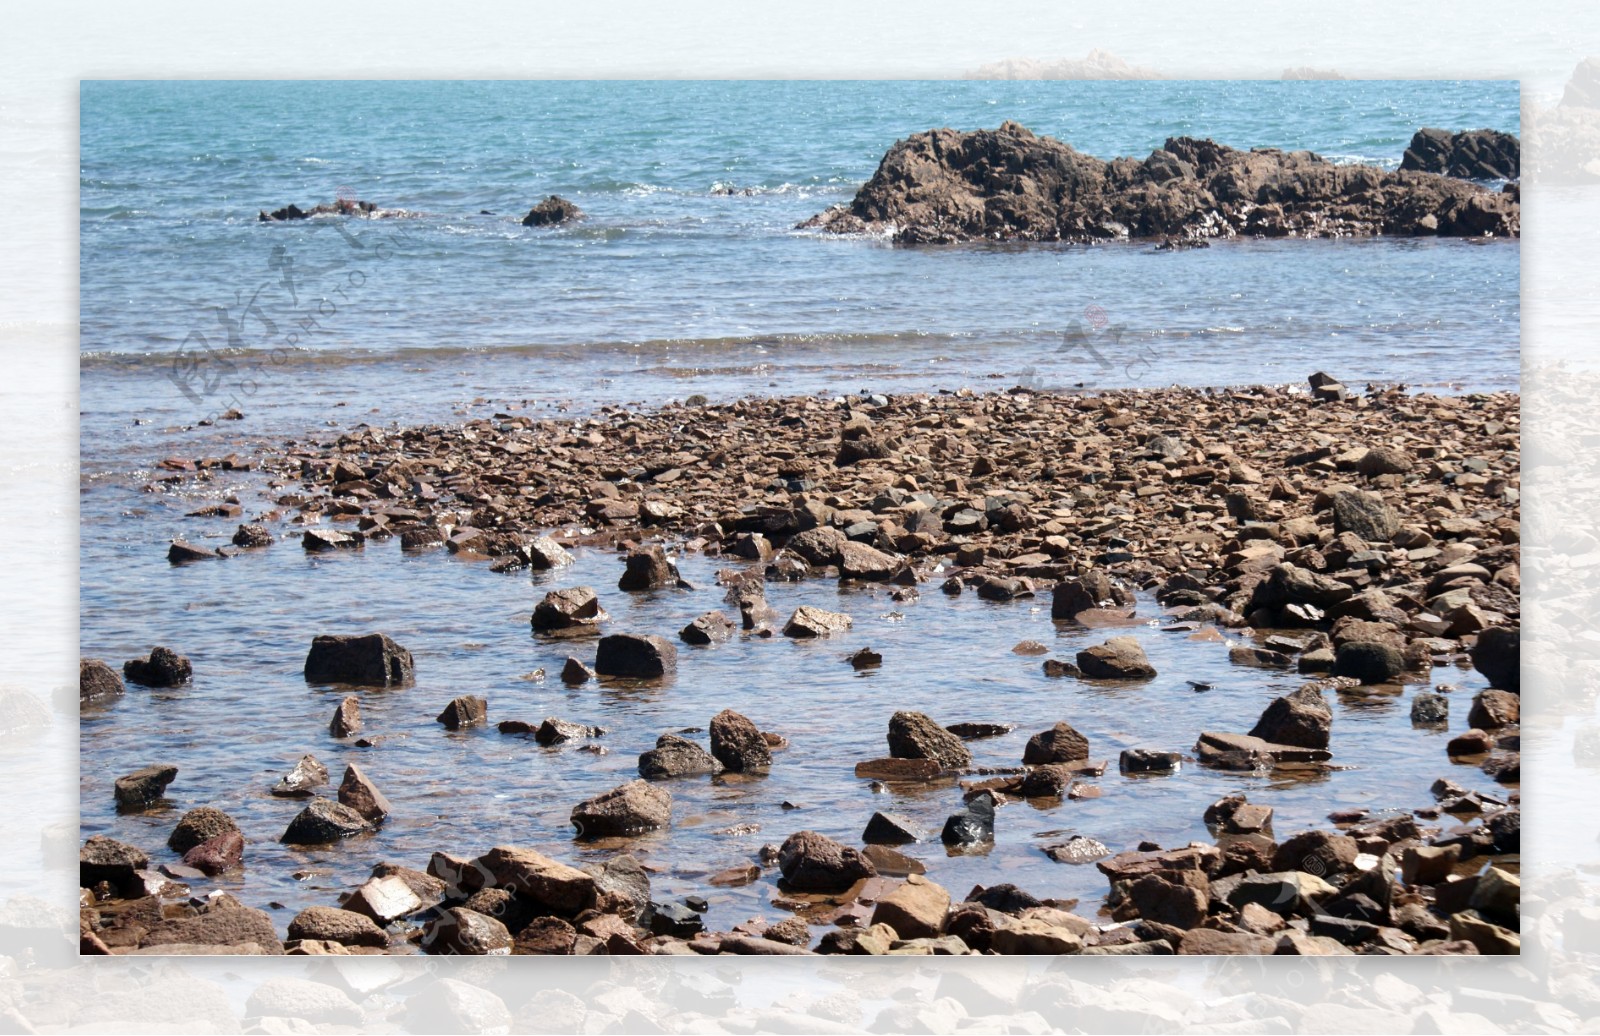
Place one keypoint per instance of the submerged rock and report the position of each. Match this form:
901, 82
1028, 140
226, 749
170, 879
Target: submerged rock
973, 825
552, 211
162, 668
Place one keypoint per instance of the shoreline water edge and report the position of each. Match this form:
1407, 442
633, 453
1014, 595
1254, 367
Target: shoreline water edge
1366, 540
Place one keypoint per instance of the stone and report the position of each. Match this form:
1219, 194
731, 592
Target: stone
892, 769
1078, 849
144, 785
1385, 460
634, 655
1366, 515
710, 628
1060, 744
630, 809
812, 862
1033, 936
358, 792
737, 743
973, 825
1259, 658
553, 731
915, 910
469, 710
574, 673
217, 854
1497, 654
1430, 709
545, 553
346, 718
1488, 937
648, 568
866, 658
1498, 898
809, 621
978, 730
197, 826
553, 211
384, 900
914, 735
552, 885
1248, 819
1120, 658
1492, 709
1301, 719
1209, 942
371, 660
1316, 852
890, 829
672, 919
1369, 661
162, 668
236, 926
253, 535
1471, 742
1166, 902
546, 936
182, 552
674, 756
572, 608
108, 860
1428, 864
459, 930
860, 561
324, 821
97, 682
318, 541
1471, 154
308, 775
1146, 760
819, 546
334, 925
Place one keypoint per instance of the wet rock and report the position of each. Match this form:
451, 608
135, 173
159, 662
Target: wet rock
1055, 668
1369, 661
631, 809
1078, 849
973, 825
308, 775
1049, 781
384, 900
866, 658
371, 660
163, 668
552, 211
1004, 588
1498, 656
811, 862
1316, 852
860, 561
253, 535
1146, 760
105, 859
674, 756
216, 855
330, 924
358, 792
1302, 719
1429, 709
346, 718
915, 910
809, 621
672, 919
892, 769
1120, 658
1166, 902
1505, 830
97, 681
324, 821
199, 825
890, 829
545, 553
635, 655
144, 785
710, 628
977, 731
1471, 154
469, 710
1366, 515
648, 569
460, 930
574, 673
553, 731
575, 607
1492, 709
737, 743
913, 735
235, 926
1471, 742
181, 553
552, 885
1060, 744
1248, 819
318, 541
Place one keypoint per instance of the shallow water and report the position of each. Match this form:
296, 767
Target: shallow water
249, 714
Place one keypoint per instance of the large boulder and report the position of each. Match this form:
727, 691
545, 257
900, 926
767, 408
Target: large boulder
737, 743
914, 735
631, 809
1120, 658
945, 186
552, 211
812, 862
635, 655
370, 660
1483, 154
1302, 719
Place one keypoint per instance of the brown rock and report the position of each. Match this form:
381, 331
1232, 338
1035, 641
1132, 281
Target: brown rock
634, 655
469, 710
360, 794
1120, 658
737, 743
913, 735
631, 809
346, 718
811, 862
372, 660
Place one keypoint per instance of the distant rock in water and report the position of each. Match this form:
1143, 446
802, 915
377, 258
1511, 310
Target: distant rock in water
1097, 64
339, 207
1474, 154
554, 209
944, 186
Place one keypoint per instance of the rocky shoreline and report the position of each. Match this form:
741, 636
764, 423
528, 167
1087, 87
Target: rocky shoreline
1361, 538
1007, 184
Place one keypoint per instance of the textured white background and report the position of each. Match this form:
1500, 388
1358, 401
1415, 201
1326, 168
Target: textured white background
46, 48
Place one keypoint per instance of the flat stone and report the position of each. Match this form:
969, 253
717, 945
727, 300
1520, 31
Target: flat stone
808, 621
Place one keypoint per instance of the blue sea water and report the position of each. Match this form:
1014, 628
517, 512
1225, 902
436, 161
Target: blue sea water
674, 285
